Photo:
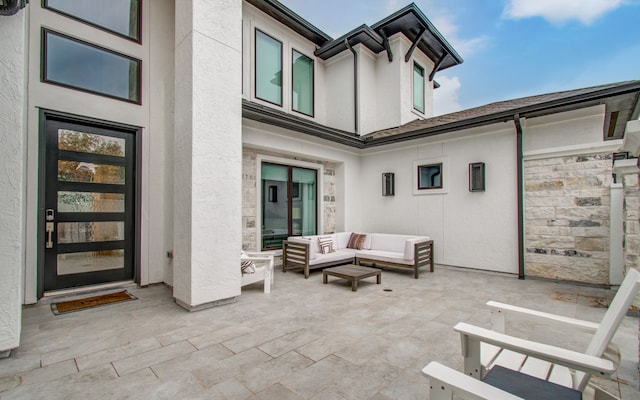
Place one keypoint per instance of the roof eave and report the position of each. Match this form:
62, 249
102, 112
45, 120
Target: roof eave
268, 115
281, 13
531, 111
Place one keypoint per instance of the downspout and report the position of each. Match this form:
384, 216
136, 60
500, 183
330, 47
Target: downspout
520, 194
355, 84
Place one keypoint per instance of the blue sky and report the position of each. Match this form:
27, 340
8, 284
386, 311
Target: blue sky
511, 48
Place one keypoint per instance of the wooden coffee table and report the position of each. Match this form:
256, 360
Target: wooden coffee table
354, 273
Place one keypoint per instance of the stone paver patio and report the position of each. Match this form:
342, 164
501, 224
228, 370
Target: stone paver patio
305, 340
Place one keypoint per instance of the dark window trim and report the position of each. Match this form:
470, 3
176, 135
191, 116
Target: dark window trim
43, 71
45, 4
413, 87
255, 68
289, 199
313, 84
439, 165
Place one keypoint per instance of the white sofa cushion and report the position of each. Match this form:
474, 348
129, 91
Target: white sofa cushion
342, 239
385, 256
389, 242
338, 255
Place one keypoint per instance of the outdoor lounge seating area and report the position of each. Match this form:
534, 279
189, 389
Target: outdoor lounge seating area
374, 249
305, 340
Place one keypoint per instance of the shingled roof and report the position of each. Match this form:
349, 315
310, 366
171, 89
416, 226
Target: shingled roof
621, 98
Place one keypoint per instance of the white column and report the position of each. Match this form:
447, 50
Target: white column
207, 152
12, 165
616, 234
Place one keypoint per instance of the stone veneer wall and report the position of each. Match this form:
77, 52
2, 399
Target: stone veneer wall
631, 221
567, 218
250, 192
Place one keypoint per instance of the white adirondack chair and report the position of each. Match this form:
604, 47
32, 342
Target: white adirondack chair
484, 348
264, 270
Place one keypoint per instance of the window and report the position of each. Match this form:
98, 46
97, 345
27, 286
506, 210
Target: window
418, 88
289, 203
121, 17
302, 84
430, 176
268, 68
72, 63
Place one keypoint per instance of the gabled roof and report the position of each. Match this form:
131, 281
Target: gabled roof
622, 101
412, 23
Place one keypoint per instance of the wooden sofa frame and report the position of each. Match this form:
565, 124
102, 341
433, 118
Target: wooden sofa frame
295, 255
423, 255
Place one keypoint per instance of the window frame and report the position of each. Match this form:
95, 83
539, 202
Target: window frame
440, 166
313, 83
413, 88
45, 5
45, 79
255, 68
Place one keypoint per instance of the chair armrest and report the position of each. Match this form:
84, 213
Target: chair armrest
504, 309
445, 381
571, 359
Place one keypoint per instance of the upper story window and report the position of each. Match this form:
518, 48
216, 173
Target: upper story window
418, 87
80, 65
302, 86
268, 68
121, 17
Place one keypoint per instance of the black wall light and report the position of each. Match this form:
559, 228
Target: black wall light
476, 177
388, 184
10, 7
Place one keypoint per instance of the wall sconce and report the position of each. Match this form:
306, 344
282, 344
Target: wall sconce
273, 194
388, 184
476, 177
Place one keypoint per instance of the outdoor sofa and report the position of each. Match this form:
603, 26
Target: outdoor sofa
374, 249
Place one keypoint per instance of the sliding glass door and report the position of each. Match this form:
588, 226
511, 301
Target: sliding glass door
289, 203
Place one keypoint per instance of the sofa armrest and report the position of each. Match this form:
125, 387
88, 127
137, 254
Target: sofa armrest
409, 247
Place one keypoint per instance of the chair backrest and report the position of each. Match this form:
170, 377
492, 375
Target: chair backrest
611, 320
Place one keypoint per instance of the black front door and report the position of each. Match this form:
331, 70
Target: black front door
87, 221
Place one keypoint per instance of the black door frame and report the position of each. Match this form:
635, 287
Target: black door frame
46, 115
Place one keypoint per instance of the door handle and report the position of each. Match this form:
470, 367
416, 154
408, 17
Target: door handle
50, 227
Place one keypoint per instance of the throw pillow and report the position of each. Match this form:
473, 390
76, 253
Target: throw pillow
326, 244
356, 241
247, 267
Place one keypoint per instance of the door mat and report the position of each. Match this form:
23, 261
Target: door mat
91, 302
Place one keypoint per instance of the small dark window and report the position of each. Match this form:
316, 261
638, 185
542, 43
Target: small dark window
80, 65
430, 176
476, 177
121, 17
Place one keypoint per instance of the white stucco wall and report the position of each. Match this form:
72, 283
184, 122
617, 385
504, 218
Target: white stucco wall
154, 116
570, 131
12, 137
348, 182
207, 153
474, 230
339, 103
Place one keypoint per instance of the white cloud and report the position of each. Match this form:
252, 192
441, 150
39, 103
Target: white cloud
446, 24
445, 98
560, 11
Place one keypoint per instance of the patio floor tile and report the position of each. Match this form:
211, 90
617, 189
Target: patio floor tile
305, 340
